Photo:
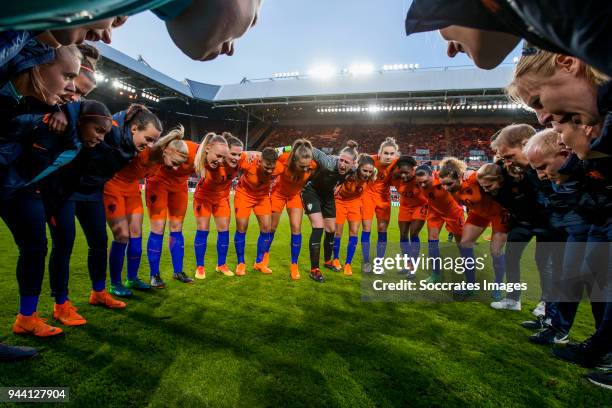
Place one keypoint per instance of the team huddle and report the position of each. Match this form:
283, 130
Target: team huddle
64, 157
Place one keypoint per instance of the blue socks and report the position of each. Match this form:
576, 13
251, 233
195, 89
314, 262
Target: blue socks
470, 273
263, 243
98, 286
405, 246
337, 247
176, 243
115, 261
28, 305
134, 254
61, 299
271, 239
350, 248
199, 246
434, 252
365, 246
381, 245
415, 246
499, 267
222, 247
239, 243
296, 245
154, 248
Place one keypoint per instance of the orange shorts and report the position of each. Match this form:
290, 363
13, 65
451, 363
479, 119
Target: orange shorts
244, 203
279, 201
166, 201
348, 210
498, 223
217, 207
409, 214
119, 203
370, 206
453, 225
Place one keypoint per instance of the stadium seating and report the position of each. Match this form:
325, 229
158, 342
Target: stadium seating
439, 140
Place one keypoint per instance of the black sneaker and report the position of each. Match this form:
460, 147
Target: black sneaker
315, 274
181, 277
549, 335
538, 324
157, 282
585, 354
601, 379
16, 353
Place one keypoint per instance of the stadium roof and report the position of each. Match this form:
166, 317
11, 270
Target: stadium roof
439, 82
378, 83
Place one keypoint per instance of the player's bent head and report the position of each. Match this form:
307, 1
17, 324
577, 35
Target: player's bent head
490, 177
546, 155
208, 28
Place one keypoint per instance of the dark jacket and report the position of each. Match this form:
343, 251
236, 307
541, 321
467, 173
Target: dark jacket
45, 14
524, 200
326, 176
579, 28
85, 177
19, 50
42, 153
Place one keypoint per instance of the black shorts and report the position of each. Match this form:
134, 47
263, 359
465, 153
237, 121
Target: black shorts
314, 203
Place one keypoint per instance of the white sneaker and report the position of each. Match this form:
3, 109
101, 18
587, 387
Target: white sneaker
507, 304
366, 267
540, 309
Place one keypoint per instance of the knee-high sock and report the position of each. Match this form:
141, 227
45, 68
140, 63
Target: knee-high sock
271, 238
115, 261
296, 245
262, 245
134, 254
337, 247
314, 246
176, 243
239, 244
499, 263
470, 273
199, 246
222, 247
28, 305
350, 248
328, 246
381, 244
365, 246
434, 252
154, 248
415, 246
405, 246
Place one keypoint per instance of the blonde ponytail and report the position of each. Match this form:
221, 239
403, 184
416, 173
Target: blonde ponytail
200, 159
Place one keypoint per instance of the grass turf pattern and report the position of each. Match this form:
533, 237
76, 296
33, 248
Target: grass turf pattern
267, 341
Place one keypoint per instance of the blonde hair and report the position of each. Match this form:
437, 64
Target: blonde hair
489, 172
301, 149
512, 135
350, 149
35, 76
545, 142
200, 159
453, 167
543, 64
389, 141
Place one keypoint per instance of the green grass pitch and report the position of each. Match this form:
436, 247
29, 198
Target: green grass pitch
267, 341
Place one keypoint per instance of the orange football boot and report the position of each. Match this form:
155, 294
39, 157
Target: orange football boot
200, 273
224, 270
348, 271
295, 272
67, 315
262, 267
103, 298
240, 269
34, 325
